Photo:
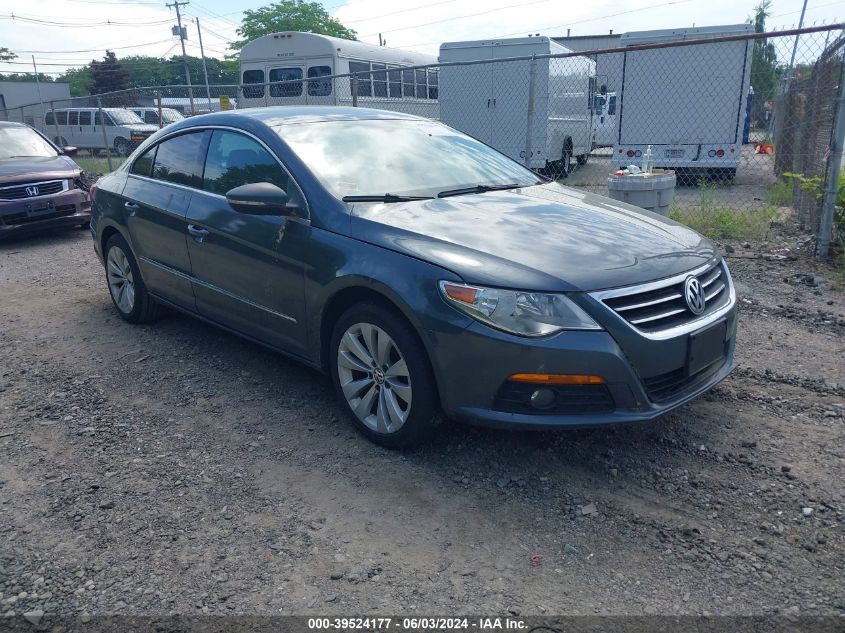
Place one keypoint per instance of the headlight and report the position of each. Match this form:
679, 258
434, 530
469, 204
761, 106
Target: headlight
516, 311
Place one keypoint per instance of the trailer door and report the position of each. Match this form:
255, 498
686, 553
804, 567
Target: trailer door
683, 95
510, 100
466, 92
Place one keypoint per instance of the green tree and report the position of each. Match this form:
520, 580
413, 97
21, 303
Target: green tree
108, 75
6, 54
289, 15
764, 63
79, 79
25, 77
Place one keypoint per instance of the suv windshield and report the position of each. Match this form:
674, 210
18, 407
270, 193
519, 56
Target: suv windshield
20, 142
124, 117
170, 116
400, 157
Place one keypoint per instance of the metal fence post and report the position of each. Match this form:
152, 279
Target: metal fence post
105, 136
55, 124
158, 100
532, 79
834, 164
354, 84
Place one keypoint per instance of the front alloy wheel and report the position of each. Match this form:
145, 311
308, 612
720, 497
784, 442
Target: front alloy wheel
382, 374
374, 378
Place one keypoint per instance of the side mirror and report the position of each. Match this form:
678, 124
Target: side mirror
69, 151
260, 198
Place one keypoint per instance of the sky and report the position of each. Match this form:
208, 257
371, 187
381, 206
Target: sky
70, 33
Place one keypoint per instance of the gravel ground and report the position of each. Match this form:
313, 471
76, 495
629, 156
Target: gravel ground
173, 468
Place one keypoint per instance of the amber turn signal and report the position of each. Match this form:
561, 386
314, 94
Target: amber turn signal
557, 379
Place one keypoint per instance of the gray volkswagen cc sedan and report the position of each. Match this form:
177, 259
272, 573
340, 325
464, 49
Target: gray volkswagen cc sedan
429, 275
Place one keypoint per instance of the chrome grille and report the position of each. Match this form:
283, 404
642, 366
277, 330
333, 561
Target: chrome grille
659, 307
23, 191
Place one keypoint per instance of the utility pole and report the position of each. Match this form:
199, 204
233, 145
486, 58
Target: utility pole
182, 35
38, 87
204, 67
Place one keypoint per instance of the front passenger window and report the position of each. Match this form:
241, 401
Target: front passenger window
234, 160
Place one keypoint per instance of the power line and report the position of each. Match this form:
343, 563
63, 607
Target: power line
384, 15
568, 24
41, 22
94, 50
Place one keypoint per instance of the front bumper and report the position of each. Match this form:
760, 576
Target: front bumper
473, 366
64, 209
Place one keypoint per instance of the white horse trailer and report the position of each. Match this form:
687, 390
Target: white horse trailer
295, 58
687, 102
489, 101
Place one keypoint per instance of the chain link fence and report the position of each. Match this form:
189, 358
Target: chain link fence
578, 117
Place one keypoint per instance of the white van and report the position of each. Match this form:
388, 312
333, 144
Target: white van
150, 115
288, 57
121, 130
490, 101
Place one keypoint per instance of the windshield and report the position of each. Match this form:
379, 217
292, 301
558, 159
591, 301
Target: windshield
124, 117
400, 157
19, 142
170, 116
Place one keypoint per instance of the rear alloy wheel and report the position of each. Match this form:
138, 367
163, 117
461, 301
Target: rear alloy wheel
381, 372
126, 288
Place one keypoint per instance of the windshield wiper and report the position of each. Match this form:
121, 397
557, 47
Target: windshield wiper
387, 197
476, 189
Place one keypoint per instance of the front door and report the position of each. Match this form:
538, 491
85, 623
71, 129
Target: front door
247, 269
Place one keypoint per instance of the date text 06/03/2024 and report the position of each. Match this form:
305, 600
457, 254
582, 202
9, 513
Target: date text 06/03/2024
416, 624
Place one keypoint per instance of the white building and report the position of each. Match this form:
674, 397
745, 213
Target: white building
14, 94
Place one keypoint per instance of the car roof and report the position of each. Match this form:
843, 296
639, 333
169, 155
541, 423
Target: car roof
282, 115
12, 124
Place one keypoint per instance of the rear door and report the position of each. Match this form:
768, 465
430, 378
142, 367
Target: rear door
157, 194
510, 96
247, 269
319, 91
290, 90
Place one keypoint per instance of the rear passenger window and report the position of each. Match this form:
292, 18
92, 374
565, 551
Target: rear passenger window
234, 160
85, 118
408, 83
49, 119
73, 118
143, 165
290, 88
379, 80
253, 77
61, 118
179, 160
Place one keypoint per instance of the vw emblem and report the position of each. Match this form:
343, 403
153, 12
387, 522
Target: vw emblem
32, 191
694, 295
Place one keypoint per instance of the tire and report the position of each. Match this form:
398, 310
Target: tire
396, 399
126, 288
582, 159
565, 160
122, 147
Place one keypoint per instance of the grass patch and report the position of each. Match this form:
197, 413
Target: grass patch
722, 223
96, 164
779, 194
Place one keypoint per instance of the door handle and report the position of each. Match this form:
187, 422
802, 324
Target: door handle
131, 206
197, 232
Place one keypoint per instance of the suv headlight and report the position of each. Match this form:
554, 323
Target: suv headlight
519, 312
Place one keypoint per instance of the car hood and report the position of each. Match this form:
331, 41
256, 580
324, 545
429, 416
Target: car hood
545, 237
36, 168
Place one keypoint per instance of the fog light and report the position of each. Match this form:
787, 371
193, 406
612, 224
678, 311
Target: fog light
542, 398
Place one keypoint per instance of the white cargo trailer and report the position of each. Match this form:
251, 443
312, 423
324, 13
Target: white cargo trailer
687, 102
489, 101
385, 80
